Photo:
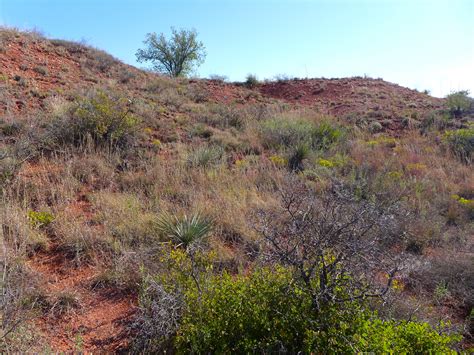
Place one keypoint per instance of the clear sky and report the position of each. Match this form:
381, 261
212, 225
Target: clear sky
417, 43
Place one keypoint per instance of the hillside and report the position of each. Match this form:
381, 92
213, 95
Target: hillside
34, 68
127, 196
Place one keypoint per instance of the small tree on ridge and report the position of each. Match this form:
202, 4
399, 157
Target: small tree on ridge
176, 56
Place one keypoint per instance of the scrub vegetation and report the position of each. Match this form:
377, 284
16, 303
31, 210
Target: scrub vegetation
144, 213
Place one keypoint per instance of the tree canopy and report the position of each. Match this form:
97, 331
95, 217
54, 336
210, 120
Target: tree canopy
176, 56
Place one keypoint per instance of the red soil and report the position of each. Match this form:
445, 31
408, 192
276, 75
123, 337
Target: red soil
355, 96
228, 93
99, 320
98, 323
25, 87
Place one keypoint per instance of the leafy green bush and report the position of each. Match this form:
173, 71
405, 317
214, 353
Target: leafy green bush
266, 311
378, 336
40, 219
245, 314
281, 133
105, 119
459, 102
461, 143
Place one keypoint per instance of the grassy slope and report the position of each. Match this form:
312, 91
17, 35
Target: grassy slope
200, 146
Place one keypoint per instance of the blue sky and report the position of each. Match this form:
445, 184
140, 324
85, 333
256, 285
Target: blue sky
417, 43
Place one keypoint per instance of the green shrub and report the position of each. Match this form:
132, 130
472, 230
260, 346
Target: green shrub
245, 314
459, 103
461, 143
251, 81
281, 133
40, 219
266, 311
105, 119
403, 337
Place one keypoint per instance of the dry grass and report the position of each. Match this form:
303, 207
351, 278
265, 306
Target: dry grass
224, 161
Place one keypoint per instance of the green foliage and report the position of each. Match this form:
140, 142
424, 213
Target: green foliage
251, 81
201, 130
266, 311
404, 337
459, 102
244, 314
461, 143
326, 163
186, 230
101, 117
295, 161
281, 133
205, 156
177, 56
40, 219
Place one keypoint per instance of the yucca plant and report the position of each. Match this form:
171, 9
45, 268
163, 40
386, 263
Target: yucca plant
295, 161
184, 230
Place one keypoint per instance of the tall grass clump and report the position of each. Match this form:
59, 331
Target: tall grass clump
282, 133
461, 143
205, 156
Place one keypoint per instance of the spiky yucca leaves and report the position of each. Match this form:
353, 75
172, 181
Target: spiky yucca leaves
184, 230
295, 162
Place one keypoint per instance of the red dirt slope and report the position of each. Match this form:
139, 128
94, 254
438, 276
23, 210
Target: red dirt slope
373, 98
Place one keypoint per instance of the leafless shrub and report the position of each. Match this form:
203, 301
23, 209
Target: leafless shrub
16, 287
223, 116
11, 289
64, 302
70, 46
453, 273
197, 93
126, 75
218, 78
124, 273
158, 317
100, 60
333, 241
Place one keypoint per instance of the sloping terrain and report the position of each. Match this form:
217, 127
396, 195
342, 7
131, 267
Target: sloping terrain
364, 97
95, 154
34, 69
